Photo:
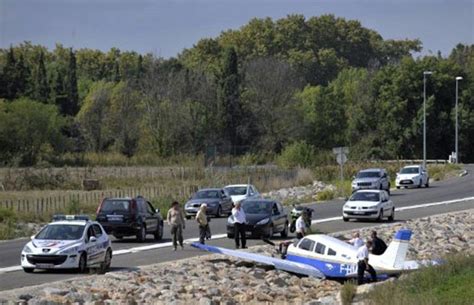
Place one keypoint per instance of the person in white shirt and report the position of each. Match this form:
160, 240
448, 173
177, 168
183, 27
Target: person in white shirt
356, 241
301, 226
239, 225
363, 263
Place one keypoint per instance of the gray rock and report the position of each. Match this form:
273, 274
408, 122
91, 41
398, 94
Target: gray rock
55, 291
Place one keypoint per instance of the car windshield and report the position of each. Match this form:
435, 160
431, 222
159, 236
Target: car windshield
115, 206
236, 190
61, 232
365, 196
257, 207
206, 194
409, 170
368, 175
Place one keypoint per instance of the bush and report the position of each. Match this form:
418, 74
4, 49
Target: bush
326, 194
298, 154
348, 291
7, 215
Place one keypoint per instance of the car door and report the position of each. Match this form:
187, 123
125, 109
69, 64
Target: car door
91, 246
101, 243
385, 180
385, 203
151, 217
278, 218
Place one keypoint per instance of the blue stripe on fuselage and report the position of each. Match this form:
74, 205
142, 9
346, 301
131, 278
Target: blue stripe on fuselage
329, 269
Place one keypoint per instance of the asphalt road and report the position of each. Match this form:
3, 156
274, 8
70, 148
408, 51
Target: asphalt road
455, 188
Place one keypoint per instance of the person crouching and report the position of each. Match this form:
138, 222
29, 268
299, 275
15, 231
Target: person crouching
201, 219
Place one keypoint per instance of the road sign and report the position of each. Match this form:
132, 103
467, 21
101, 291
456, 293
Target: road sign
340, 150
341, 158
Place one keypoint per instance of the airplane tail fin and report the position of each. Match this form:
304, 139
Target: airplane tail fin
396, 251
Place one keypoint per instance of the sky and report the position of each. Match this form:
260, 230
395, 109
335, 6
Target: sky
165, 27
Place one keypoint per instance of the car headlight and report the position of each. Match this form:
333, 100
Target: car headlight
68, 251
263, 221
27, 249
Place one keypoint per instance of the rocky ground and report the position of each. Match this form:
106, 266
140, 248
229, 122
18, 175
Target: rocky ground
216, 279
298, 193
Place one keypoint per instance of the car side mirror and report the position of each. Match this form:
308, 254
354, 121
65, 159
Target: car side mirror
353, 177
32, 237
157, 211
93, 239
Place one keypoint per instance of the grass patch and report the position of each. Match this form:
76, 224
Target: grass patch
442, 172
348, 292
325, 195
450, 283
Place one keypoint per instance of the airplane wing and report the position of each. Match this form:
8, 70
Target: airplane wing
280, 264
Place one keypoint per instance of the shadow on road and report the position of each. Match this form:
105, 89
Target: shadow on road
134, 241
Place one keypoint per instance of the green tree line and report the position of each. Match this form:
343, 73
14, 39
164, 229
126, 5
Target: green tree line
269, 86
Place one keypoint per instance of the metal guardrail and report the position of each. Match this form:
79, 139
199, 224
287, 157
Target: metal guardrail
412, 161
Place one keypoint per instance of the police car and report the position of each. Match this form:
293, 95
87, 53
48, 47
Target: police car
69, 242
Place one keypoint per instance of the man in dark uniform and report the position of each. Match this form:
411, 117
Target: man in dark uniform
378, 245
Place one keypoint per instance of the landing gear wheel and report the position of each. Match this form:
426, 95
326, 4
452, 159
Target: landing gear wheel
82, 266
141, 235
29, 270
392, 216
284, 233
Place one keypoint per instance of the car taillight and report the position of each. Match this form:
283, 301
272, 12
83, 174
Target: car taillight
133, 207
99, 207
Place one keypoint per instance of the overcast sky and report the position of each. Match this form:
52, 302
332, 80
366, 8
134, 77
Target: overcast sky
165, 27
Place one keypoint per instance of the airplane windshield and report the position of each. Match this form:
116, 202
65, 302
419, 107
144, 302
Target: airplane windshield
365, 196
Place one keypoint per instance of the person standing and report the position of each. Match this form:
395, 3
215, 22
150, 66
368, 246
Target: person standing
201, 219
379, 246
301, 225
176, 221
356, 241
239, 225
363, 263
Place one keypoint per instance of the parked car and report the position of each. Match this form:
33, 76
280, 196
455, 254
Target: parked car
372, 178
369, 204
412, 176
218, 203
69, 242
264, 218
239, 192
130, 217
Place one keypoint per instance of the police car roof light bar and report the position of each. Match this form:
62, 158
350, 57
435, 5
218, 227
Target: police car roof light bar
61, 217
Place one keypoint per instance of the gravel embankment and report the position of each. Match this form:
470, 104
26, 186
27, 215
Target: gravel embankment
215, 279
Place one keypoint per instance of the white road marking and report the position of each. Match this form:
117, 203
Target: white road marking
220, 236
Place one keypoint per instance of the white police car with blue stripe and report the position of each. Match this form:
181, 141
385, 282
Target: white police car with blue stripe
69, 242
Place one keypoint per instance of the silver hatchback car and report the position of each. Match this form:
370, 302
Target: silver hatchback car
372, 178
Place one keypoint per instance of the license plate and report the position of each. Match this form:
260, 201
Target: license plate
248, 233
359, 213
115, 218
44, 266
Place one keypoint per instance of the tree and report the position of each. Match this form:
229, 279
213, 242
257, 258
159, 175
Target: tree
229, 97
40, 81
71, 104
10, 77
26, 128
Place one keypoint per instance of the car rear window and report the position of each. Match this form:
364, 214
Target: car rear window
115, 206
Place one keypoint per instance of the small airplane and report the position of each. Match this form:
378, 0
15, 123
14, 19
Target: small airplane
324, 256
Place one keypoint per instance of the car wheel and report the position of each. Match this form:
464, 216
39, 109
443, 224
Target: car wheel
380, 218
219, 212
419, 184
188, 217
345, 219
398, 187
82, 265
388, 189
392, 216
159, 232
141, 235
230, 235
284, 233
427, 183
29, 270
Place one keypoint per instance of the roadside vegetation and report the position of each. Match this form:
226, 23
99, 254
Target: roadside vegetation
450, 283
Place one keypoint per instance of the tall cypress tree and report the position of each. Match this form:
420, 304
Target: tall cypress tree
9, 87
229, 97
71, 106
23, 76
41, 87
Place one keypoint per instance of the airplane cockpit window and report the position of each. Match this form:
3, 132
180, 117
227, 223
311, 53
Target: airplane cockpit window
331, 252
320, 248
306, 244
